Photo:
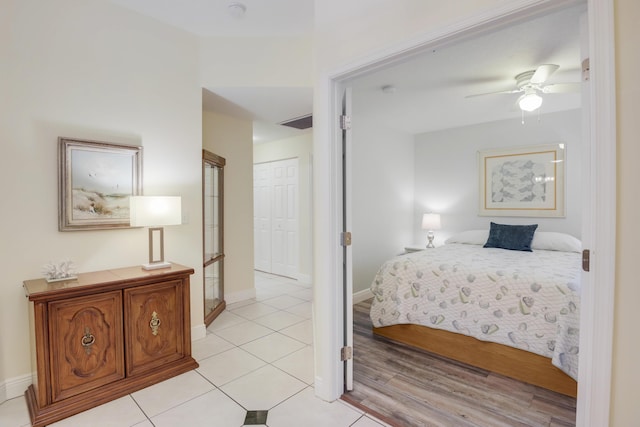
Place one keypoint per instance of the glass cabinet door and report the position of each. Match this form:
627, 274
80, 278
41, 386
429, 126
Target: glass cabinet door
212, 229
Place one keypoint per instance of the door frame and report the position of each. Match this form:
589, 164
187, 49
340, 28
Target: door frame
594, 385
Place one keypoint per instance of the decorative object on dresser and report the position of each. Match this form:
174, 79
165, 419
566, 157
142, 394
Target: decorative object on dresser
95, 181
105, 335
58, 271
154, 212
430, 222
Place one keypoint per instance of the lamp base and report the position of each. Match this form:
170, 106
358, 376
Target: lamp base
430, 240
156, 265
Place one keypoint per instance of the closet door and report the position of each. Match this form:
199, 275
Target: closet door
275, 186
262, 216
284, 228
213, 234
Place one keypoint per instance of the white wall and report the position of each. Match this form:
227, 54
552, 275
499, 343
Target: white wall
398, 177
88, 69
447, 172
382, 196
299, 147
232, 139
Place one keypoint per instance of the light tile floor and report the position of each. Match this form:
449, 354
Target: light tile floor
257, 355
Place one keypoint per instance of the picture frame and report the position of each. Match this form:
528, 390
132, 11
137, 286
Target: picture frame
523, 181
95, 181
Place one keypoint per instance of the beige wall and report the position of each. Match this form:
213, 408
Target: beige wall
88, 69
91, 69
232, 139
349, 30
255, 62
295, 147
625, 410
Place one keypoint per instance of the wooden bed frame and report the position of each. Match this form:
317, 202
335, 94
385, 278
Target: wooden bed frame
511, 362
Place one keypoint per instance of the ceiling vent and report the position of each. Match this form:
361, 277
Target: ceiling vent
304, 122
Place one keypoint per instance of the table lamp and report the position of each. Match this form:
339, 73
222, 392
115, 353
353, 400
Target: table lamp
155, 212
430, 222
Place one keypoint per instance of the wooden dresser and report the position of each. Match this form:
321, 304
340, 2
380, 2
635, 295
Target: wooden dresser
104, 335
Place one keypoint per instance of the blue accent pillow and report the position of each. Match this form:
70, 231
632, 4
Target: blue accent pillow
513, 237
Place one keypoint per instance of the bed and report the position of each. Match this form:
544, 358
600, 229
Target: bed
514, 312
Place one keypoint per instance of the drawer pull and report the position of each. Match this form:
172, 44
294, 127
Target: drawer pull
87, 340
154, 323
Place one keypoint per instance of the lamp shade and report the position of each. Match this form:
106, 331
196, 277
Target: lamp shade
530, 102
151, 211
431, 221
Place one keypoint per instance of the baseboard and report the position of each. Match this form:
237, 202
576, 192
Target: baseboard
362, 296
233, 297
14, 387
198, 332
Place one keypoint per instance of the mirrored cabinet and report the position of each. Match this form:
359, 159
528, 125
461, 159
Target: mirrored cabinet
213, 234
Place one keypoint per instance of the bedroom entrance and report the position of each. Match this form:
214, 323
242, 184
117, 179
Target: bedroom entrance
596, 223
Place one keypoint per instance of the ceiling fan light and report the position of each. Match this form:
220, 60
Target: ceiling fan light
530, 102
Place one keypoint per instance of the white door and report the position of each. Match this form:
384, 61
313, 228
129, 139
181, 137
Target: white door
262, 217
276, 217
291, 218
284, 225
346, 243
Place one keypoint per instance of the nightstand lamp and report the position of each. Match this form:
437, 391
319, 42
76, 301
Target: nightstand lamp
430, 222
154, 212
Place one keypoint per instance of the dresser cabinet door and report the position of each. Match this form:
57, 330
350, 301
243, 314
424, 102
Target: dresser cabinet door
154, 324
86, 343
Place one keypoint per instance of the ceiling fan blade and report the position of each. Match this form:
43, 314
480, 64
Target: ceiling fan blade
543, 72
494, 93
562, 88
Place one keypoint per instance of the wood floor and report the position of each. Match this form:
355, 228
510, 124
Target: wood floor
409, 387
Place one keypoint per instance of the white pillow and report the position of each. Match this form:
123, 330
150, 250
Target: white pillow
551, 241
471, 237
542, 240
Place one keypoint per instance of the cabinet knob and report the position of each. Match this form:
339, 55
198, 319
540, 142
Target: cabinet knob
154, 323
87, 340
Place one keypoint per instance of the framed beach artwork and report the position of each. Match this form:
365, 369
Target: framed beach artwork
95, 182
522, 181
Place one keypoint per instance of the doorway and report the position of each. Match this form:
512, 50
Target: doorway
596, 333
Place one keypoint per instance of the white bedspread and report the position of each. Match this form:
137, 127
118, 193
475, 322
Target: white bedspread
528, 300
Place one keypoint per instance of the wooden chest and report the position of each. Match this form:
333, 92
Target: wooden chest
104, 335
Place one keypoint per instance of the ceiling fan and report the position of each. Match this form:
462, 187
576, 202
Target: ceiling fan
531, 85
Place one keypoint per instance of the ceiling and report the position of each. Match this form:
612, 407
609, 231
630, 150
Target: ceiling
257, 104
430, 89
